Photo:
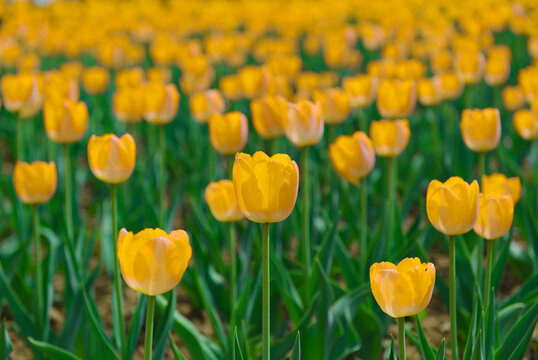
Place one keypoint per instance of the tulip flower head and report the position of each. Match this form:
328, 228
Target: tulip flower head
128, 104
390, 137
526, 124
495, 216
429, 91
513, 98
228, 133
502, 185
203, 104
404, 289
396, 98
22, 94
451, 86
481, 129
268, 116
65, 122
335, 105
161, 103
153, 262
353, 157
452, 206
95, 80
112, 159
266, 187
304, 123
35, 182
361, 89
221, 199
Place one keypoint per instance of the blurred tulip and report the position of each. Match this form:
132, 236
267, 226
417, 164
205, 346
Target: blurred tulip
221, 199
153, 262
481, 129
268, 115
429, 91
203, 104
390, 137
35, 182
361, 89
404, 289
502, 185
452, 206
353, 157
95, 80
451, 86
526, 124
22, 94
59, 88
497, 71
304, 123
72, 70
133, 77
65, 122
495, 216
228, 132
230, 87
396, 98
266, 187
128, 104
161, 75
161, 103
527, 79
253, 80
513, 98
441, 62
470, 66
112, 159
334, 104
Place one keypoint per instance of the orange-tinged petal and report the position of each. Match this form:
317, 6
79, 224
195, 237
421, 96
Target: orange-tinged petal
35, 182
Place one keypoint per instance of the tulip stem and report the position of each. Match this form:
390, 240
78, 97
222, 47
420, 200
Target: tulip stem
364, 229
162, 180
401, 337
490, 249
233, 270
18, 138
452, 300
39, 275
392, 169
306, 219
362, 120
480, 241
266, 305
68, 193
150, 312
117, 278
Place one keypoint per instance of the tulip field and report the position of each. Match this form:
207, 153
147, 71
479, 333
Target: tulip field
244, 180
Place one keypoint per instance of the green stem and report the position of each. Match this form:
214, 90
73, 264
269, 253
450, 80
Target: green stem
162, 176
364, 228
401, 337
266, 306
490, 249
18, 138
452, 299
150, 312
211, 161
391, 188
481, 165
117, 277
468, 103
306, 218
480, 241
230, 166
68, 207
39, 274
362, 120
233, 270
536, 177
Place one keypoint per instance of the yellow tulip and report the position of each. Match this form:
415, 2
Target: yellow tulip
230, 87
161, 75
404, 289
451, 86
112, 159
22, 94
527, 78
228, 133
58, 87
304, 123
429, 91
65, 122
513, 98
396, 98
441, 62
361, 89
153, 262
469, 65
353, 157
266, 187
526, 124
161, 103
128, 104
221, 199
203, 104
268, 116
334, 104
497, 71
481, 129
133, 77
390, 137
495, 216
95, 80
35, 182
72, 70
452, 206
501, 184
253, 80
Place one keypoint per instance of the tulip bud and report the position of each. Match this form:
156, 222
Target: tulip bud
22, 94
495, 216
65, 122
221, 199
390, 137
35, 182
268, 115
513, 98
304, 123
502, 185
527, 79
334, 104
230, 87
353, 157
451, 86
404, 289
203, 104
469, 65
497, 71
429, 91
128, 104
253, 80
396, 98
481, 129
153, 262
112, 159
361, 89
95, 80
526, 124
228, 133
266, 187
452, 206
161, 103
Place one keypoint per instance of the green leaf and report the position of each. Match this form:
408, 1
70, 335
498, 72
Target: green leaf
425, 348
517, 336
393, 353
324, 320
51, 352
166, 321
177, 354
286, 288
474, 329
237, 354
296, 351
508, 316
441, 351
5, 344
136, 325
97, 326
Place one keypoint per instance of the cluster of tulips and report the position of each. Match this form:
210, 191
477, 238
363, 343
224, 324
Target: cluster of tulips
344, 83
